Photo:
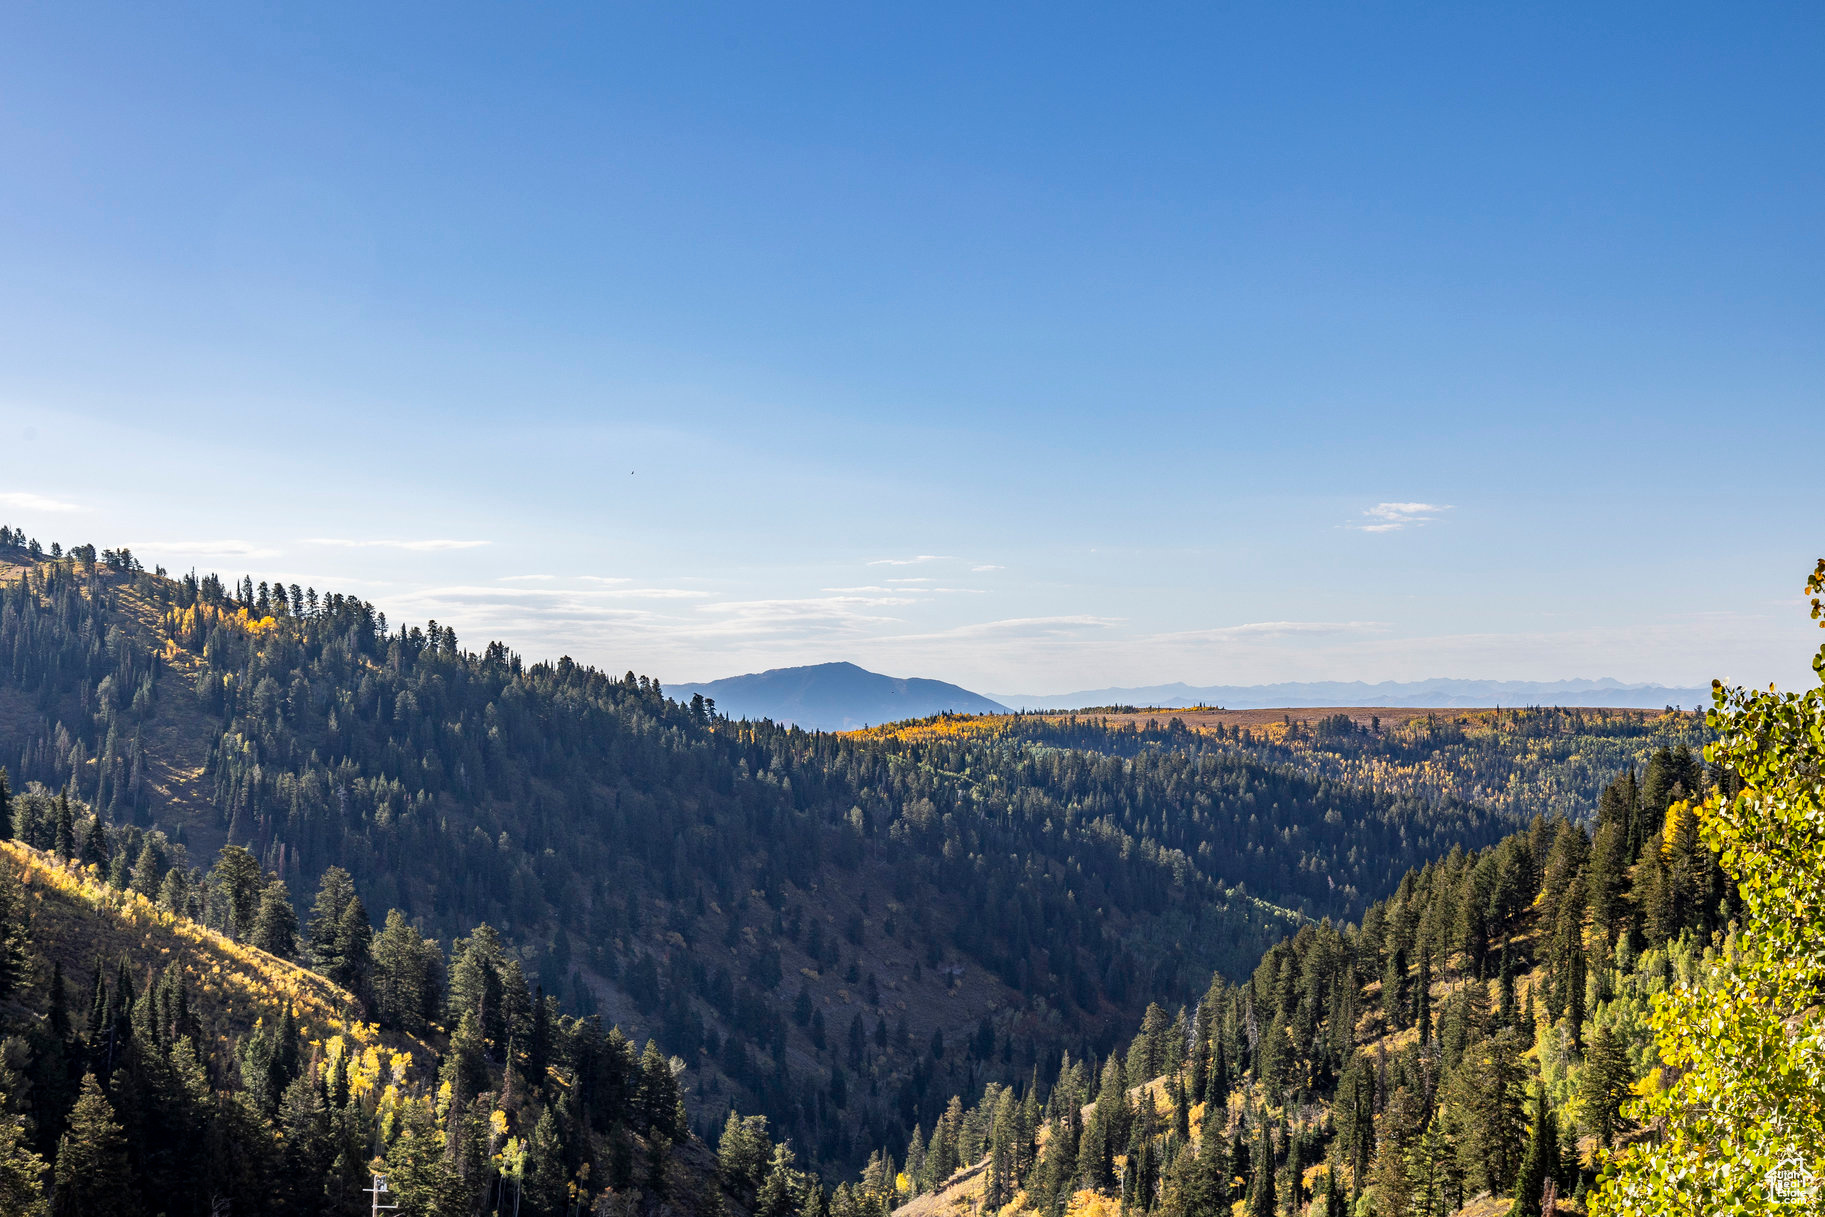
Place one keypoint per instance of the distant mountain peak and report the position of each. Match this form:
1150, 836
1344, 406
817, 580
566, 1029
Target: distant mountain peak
835, 696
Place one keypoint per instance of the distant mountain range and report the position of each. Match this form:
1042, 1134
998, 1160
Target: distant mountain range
834, 697
843, 697
1441, 693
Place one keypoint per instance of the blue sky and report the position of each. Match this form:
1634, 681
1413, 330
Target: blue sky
1041, 348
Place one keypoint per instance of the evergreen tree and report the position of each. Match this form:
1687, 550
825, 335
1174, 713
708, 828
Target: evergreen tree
20, 1166
404, 989
546, 1178
92, 1176
1541, 1161
1603, 1086
1261, 1202
15, 946
275, 925
776, 1198
334, 891
65, 844
418, 1171
465, 1068
235, 879
94, 844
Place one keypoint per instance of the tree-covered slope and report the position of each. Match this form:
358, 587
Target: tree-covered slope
151, 1064
834, 931
1475, 1039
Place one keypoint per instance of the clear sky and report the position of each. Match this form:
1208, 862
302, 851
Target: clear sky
1035, 347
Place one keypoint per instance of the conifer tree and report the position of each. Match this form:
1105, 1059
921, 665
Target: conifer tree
65, 844
546, 1181
1261, 1202
92, 1177
1603, 1086
275, 925
236, 880
465, 1068
15, 948
21, 1168
418, 1171
776, 1198
94, 844
1541, 1161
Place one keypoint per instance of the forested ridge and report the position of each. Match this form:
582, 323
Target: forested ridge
832, 932
152, 1065
1477, 1035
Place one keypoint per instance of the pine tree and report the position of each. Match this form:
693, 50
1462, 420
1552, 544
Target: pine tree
1295, 1174
236, 879
403, 971
94, 844
65, 844
92, 1177
275, 926
1423, 998
21, 1168
418, 1171
1603, 1086
465, 1068
775, 1198
1261, 1201
1541, 1161
334, 891
1208, 1193
354, 966
546, 1182
15, 946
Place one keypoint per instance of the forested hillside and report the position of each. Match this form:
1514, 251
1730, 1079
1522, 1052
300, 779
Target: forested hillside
836, 932
1477, 1036
149, 1064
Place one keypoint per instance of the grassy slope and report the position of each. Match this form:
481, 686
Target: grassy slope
77, 920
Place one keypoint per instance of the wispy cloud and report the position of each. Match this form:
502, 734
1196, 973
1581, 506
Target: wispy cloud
430, 543
526, 579
913, 561
654, 593
1251, 630
986, 566
920, 579
1392, 517
225, 548
25, 500
606, 579
1019, 627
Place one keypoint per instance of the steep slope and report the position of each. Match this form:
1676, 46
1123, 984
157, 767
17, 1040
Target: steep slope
85, 927
833, 931
236, 1077
1475, 1039
834, 697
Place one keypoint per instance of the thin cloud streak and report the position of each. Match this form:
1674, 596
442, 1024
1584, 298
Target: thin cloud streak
25, 500
224, 548
1268, 629
1392, 517
427, 545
